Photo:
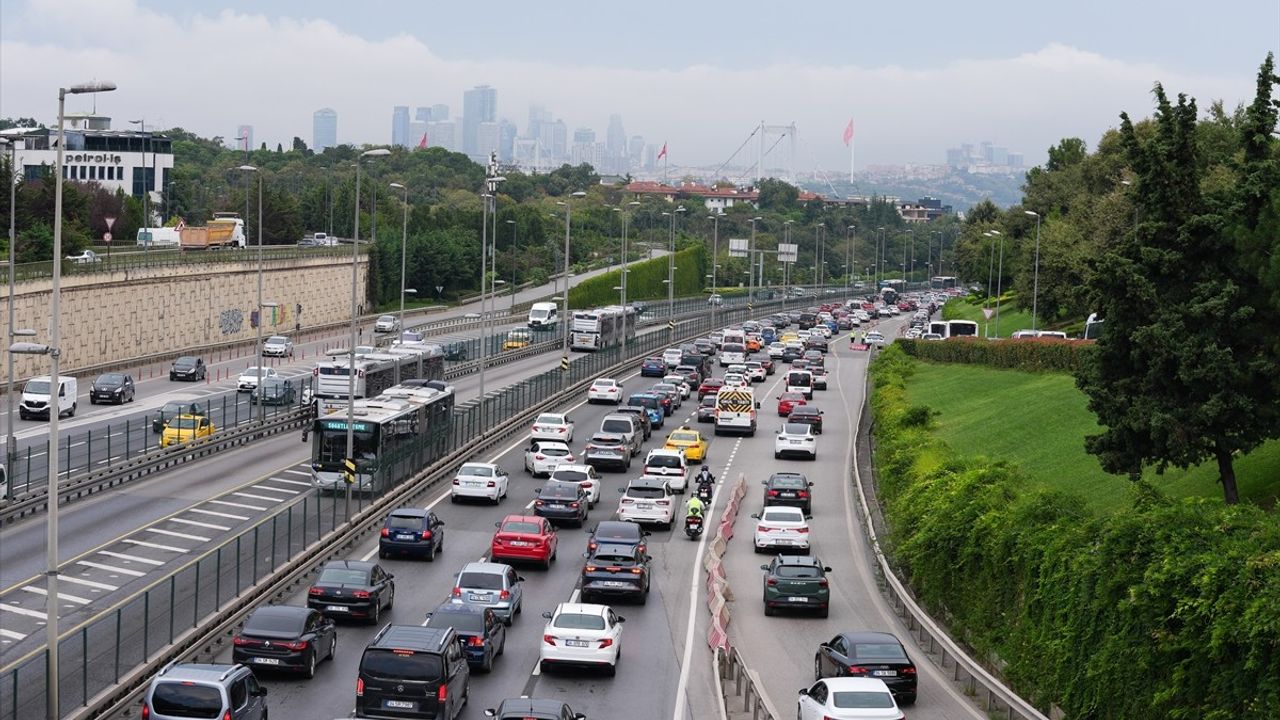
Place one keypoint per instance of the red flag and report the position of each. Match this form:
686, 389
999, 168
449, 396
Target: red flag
422, 144
663, 152
848, 132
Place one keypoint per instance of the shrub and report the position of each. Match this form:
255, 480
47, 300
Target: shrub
645, 280
1032, 354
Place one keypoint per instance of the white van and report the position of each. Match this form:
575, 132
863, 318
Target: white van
543, 315
800, 381
35, 397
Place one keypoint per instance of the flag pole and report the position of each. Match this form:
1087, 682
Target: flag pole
851, 143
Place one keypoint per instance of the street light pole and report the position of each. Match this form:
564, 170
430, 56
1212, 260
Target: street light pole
514, 287
1035, 287
751, 269
261, 406
626, 270
671, 277
715, 255
11, 176
404, 244
564, 300
999, 281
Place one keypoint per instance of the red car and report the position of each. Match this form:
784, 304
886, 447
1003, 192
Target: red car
524, 538
788, 401
710, 386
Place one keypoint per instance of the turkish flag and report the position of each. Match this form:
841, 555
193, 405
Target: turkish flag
422, 144
663, 152
848, 132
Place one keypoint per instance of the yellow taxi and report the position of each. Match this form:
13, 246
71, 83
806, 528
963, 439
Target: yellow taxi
789, 337
185, 428
517, 339
690, 442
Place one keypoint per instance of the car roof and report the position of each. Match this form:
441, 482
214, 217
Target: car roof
485, 567
646, 482
348, 565
521, 518
805, 560
581, 609
856, 684
805, 410
550, 443
411, 637
282, 611
870, 636
531, 705
607, 437
197, 672
614, 528
408, 512
608, 548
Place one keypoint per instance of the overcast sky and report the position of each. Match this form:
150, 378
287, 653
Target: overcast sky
917, 77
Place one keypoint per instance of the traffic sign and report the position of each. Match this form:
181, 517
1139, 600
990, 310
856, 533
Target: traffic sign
671, 324
988, 312
348, 471
106, 238
110, 221
738, 247
564, 364
788, 252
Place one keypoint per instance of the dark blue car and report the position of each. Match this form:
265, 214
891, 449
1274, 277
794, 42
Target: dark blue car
652, 405
653, 367
481, 633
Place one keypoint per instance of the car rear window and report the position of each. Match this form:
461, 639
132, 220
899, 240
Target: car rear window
644, 491
462, 621
404, 522
186, 701
569, 475
343, 576
559, 491
884, 651
862, 700
554, 451
780, 515
798, 572
788, 481
550, 420
616, 426
579, 621
520, 526
617, 532
795, 429
611, 559
275, 623
475, 471
664, 461
480, 581
389, 664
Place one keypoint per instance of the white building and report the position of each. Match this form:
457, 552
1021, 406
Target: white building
132, 161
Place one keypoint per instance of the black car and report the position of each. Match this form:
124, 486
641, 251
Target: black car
790, 353
562, 502
641, 414
807, 414
869, 654
112, 388
284, 637
411, 531
790, 489
352, 589
707, 408
276, 391
618, 532
816, 342
696, 362
172, 410
410, 671
482, 634
533, 709
189, 368
653, 367
607, 450
615, 571
691, 374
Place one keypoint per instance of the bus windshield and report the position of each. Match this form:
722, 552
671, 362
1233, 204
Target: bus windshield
331, 442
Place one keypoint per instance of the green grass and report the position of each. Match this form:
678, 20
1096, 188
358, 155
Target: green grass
1039, 421
1012, 318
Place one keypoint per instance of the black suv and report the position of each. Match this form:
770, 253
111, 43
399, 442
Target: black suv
411, 531
790, 489
410, 671
615, 571
526, 708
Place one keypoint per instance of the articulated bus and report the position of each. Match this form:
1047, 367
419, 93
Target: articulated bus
375, 372
599, 328
943, 282
396, 434
954, 328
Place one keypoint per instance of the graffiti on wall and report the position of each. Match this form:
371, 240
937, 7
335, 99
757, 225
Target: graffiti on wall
230, 321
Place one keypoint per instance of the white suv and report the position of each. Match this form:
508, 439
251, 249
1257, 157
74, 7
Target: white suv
647, 500
667, 466
796, 439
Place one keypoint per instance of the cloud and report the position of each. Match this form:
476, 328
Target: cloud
212, 72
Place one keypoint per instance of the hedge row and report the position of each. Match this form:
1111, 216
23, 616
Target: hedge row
645, 281
1169, 609
1032, 354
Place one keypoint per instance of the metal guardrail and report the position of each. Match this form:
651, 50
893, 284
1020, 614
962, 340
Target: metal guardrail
167, 258
730, 668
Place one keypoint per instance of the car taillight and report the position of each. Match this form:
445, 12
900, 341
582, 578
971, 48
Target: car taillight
314, 591
592, 545
226, 715
773, 493
537, 503
491, 483
359, 687
771, 582
504, 595
803, 530
663, 503
457, 592
426, 534
562, 430
539, 456
549, 639
857, 670
475, 641
315, 372
822, 583
387, 533
456, 481
442, 695
146, 711
636, 571
239, 641
590, 568
497, 539
361, 594
802, 493
606, 642
299, 645
909, 670
573, 505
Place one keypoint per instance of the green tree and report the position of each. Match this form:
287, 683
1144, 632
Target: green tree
777, 195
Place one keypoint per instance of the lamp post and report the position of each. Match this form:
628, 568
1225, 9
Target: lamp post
999, 280
261, 406
671, 275
751, 276
1035, 283
564, 299
879, 264
817, 254
404, 244
351, 352
514, 287
991, 273
715, 254
146, 193
12, 179
489, 205
53, 351
624, 271
786, 266
850, 256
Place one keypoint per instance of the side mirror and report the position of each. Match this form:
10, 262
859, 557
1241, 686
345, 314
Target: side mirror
390, 576
490, 713
808, 517
586, 554
547, 614
621, 619
498, 524
262, 692
804, 691
757, 404
519, 578
810, 483
440, 523
762, 567
826, 569
755, 516
622, 490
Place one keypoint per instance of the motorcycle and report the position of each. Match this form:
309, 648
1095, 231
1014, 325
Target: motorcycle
693, 526
704, 492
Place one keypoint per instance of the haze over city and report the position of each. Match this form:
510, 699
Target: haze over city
916, 80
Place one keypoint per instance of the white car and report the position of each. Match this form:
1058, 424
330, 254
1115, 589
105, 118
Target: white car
681, 383
585, 476
733, 379
796, 439
848, 698
248, 380
606, 390
667, 466
822, 330
479, 480
756, 371
875, 337
552, 426
88, 256
386, 324
781, 527
581, 635
714, 299
647, 500
544, 456
776, 349
277, 346
671, 356
739, 368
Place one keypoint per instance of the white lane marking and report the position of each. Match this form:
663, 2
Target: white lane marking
171, 533
86, 583
251, 496
228, 503
303, 473
573, 598
130, 558
22, 611
11, 635
110, 568
154, 546
197, 523
303, 483
439, 498
215, 513
268, 488
61, 596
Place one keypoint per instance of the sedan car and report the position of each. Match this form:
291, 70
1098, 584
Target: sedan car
526, 538
552, 426
186, 428
84, 258
789, 489
847, 699
878, 655
248, 380
581, 634
809, 415
766, 362
756, 372
562, 502
796, 583
479, 480
615, 571
707, 409
112, 388
526, 708
352, 589
796, 439
875, 337
605, 390
492, 585
710, 386
653, 367
781, 528
189, 368
284, 637
584, 476
543, 456
277, 346
788, 402
607, 450
690, 442
482, 635
386, 324
415, 532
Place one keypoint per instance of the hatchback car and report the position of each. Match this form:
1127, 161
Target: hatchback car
807, 414
797, 582
781, 528
653, 367
690, 442
847, 699
276, 391
492, 585
552, 426
112, 388
185, 690
415, 532
878, 655
583, 476
795, 439
248, 380
352, 589
543, 456
186, 428
526, 708
189, 368
562, 503
605, 390
606, 450
277, 346
707, 408
615, 571
618, 532
284, 637
581, 634
482, 635
710, 386
526, 538
479, 480
386, 324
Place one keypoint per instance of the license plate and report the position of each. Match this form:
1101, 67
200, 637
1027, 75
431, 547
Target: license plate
556, 506
885, 673
520, 543
267, 661
788, 494
337, 608
794, 442
797, 599
399, 704
644, 506
405, 536
576, 643
785, 541
474, 483
481, 598
614, 584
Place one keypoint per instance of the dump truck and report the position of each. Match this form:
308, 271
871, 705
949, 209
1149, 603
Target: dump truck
224, 230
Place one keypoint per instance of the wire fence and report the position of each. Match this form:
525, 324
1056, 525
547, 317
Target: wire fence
170, 258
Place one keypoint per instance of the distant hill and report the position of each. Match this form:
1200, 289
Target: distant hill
958, 188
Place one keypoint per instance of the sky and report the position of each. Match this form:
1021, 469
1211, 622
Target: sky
916, 77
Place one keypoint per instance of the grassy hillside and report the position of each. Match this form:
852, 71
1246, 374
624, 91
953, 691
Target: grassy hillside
1039, 421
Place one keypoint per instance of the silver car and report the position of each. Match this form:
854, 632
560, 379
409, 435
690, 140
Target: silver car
386, 324
491, 585
277, 346
189, 690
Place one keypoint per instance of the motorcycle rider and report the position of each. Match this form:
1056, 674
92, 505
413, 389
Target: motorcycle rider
694, 508
706, 481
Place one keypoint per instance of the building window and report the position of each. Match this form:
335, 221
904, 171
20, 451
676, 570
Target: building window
84, 172
93, 172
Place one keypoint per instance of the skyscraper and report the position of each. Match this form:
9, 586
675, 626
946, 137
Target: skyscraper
439, 112
487, 137
479, 105
442, 134
554, 137
506, 140
422, 114
636, 150
324, 129
616, 137
400, 126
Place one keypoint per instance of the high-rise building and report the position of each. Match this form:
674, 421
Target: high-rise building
400, 126
324, 129
244, 137
416, 131
650, 157
439, 112
442, 134
479, 105
636, 150
486, 139
554, 137
422, 114
584, 136
506, 140
616, 137
538, 115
